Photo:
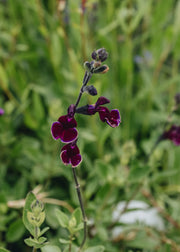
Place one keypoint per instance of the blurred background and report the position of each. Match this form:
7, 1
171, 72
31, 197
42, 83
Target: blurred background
43, 46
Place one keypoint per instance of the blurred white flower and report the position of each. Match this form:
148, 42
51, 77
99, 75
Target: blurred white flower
137, 212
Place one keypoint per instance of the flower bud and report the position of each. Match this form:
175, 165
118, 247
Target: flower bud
90, 90
102, 69
87, 66
37, 207
37, 216
83, 110
100, 54
71, 110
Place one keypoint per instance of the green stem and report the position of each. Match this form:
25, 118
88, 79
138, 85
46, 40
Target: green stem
81, 206
36, 237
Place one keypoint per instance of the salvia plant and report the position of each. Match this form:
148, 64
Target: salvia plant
65, 128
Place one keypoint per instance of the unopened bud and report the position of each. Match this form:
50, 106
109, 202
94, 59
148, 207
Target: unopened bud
71, 110
102, 69
100, 54
37, 207
90, 90
87, 66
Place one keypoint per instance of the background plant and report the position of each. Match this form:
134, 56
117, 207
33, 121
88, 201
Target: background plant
42, 49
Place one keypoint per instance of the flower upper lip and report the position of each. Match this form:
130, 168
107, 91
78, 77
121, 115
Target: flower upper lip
65, 129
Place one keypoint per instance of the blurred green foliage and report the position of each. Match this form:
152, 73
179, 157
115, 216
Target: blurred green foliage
43, 45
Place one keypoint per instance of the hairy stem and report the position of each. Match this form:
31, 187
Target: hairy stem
81, 206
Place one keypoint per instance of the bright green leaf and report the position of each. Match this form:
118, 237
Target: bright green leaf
43, 231
62, 218
4, 250
27, 208
63, 241
50, 248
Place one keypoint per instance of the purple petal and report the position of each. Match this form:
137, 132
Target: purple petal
71, 149
114, 118
91, 110
74, 149
56, 130
101, 101
76, 160
64, 157
94, 55
69, 135
70, 154
103, 113
67, 122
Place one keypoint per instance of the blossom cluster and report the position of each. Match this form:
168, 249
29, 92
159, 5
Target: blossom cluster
65, 128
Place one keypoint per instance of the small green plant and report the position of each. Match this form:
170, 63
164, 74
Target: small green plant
33, 217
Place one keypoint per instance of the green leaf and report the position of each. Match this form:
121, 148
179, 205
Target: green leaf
95, 249
35, 243
72, 224
15, 231
62, 218
43, 231
4, 250
102, 169
63, 241
27, 208
137, 173
79, 227
42, 239
73, 248
50, 248
78, 215
38, 107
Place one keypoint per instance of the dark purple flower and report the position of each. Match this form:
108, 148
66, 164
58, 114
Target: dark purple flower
100, 54
173, 134
70, 154
110, 117
1, 111
65, 129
